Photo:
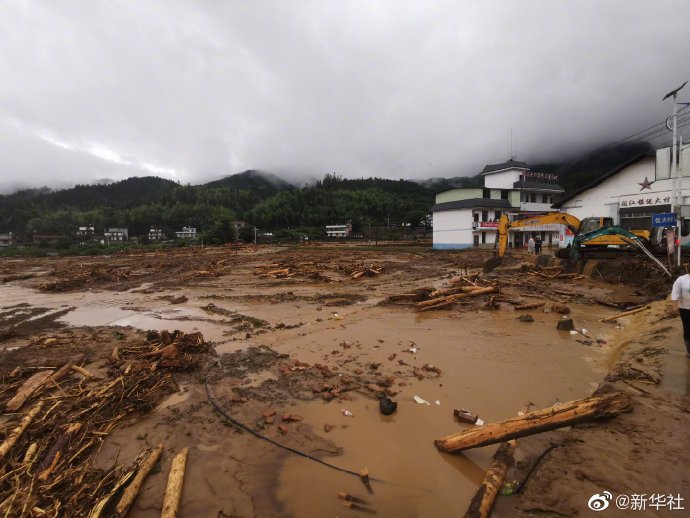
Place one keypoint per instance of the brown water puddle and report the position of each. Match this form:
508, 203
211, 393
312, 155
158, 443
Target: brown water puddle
491, 364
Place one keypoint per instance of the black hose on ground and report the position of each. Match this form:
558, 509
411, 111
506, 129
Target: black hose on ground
243, 426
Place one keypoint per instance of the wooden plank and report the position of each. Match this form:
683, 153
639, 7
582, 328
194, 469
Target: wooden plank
557, 416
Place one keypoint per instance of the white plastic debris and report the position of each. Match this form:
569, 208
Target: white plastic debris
421, 401
413, 350
479, 422
347, 413
438, 402
573, 332
584, 331
9, 349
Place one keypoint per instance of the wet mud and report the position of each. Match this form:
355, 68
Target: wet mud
305, 342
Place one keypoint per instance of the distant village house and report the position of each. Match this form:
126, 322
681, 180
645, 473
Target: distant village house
85, 234
339, 230
115, 235
7, 239
187, 233
155, 234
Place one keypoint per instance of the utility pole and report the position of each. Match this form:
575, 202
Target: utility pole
255, 236
675, 173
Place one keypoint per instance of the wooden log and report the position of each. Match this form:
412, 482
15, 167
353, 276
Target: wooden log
443, 301
173, 492
531, 305
19, 430
81, 370
130, 494
484, 498
624, 314
28, 387
56, 452
30, 454
557, 416
452, 291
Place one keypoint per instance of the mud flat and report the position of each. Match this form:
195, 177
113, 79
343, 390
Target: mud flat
302, 345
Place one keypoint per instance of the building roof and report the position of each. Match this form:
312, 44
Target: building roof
569, 196
493, 168
538, 185
483, 203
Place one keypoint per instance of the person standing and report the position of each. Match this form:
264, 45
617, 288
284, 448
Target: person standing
680, 295
537, 245
530, 245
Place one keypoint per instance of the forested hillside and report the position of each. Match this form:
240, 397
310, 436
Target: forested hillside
259, 198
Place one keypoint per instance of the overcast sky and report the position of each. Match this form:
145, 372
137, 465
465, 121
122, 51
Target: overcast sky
196, 90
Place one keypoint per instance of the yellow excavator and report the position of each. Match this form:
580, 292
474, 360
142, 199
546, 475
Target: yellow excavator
592, 228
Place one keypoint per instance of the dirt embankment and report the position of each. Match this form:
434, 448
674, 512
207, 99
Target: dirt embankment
640, 458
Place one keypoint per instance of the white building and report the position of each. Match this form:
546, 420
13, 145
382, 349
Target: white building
7, 239
634, 191
339, 230
468, 217
187, 233
116, 235
155, 234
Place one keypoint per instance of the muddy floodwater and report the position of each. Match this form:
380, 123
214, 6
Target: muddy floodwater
475, 355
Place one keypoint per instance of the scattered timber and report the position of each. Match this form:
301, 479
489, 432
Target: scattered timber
450, 299
28, 388
624, 314
173, 492
557, 416
531, 305
130, 494
19, 430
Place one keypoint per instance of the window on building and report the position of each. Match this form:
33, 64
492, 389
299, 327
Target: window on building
483, 237
504, 194
533, 197
498, 215
486, 193
475, 215
544, 198
485, 216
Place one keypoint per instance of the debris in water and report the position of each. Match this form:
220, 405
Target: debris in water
347, 413
565, 325
421, 401
465, 416
387, 406
328, 427
525, 318
364, 475
438, 402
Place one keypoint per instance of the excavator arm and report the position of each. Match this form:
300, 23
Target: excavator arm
627, 236
560, 218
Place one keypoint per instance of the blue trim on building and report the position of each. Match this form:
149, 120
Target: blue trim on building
451, 246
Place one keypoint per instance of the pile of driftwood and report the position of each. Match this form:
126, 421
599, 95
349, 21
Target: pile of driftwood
56, 419
369, 271
75, 277
288, 269
462, 287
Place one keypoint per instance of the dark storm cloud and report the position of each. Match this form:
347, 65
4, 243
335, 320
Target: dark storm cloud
194, 90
